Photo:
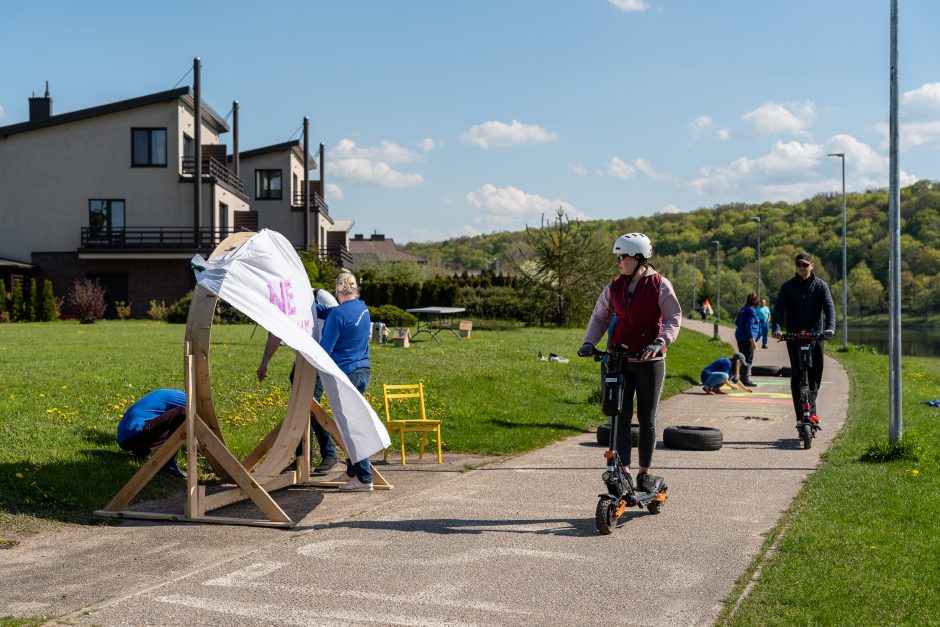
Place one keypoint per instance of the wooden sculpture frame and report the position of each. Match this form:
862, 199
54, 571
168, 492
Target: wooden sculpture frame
263, 469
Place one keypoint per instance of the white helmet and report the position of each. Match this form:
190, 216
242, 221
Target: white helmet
634, 244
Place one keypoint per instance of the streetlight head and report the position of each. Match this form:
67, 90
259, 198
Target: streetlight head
836, 154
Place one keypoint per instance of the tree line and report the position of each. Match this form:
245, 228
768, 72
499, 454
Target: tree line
685, 252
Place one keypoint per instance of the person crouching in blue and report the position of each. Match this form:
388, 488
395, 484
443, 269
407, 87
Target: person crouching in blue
150, 422
720, 371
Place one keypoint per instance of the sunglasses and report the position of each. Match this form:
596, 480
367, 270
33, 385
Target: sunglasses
802, 264
622, 257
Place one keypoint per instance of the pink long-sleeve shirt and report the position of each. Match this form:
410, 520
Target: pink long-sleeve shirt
668, 306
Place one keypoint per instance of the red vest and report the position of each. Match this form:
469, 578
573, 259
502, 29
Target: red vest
639, 320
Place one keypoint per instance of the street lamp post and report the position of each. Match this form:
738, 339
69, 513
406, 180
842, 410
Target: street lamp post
758, 255
845, 277
718, 275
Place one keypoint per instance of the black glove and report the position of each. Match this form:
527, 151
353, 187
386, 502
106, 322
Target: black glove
733, 379
655, 349
586, 350
829, 333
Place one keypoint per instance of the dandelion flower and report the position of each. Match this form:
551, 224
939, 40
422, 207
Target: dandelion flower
41, 395
915, 472
19, 475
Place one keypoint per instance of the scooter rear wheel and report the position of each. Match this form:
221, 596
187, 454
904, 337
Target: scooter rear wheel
806, 434
606, 515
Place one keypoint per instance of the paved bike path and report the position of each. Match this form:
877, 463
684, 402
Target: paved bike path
514, 543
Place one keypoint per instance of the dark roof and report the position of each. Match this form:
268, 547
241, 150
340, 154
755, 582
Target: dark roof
294, 144
383, 250
211, 117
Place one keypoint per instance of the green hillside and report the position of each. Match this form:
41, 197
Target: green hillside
685, 252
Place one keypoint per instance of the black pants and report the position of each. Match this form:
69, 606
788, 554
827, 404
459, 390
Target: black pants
796, 376
645, 381
747, 350
154, 433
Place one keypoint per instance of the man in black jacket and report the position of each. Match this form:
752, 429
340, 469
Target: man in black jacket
802, 302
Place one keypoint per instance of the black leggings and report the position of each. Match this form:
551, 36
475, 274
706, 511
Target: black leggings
645, 381
796, 376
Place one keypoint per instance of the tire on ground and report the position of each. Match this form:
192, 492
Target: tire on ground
603, 435
692, 438
765, 371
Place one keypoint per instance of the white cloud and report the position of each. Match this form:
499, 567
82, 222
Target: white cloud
3, 114
630, 5
427, 144
724, 134
772, 118
334, 192
670, 208
919, 111
371, 164
921, 103
496, 133
700, 123
793, 171
786, 162
577, 168
618, 168
386, 151
512, 208
440, 234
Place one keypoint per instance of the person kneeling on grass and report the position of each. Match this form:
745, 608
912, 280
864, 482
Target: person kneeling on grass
150, 422
720, 371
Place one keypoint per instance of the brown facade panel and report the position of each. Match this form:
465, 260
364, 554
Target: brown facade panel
137, 281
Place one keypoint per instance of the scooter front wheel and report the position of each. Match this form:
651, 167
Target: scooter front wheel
806, 434
606, 515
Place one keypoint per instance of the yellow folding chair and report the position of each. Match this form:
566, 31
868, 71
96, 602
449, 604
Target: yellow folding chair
401, 426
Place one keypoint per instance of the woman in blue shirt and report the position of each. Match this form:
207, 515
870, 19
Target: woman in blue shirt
346, 340
746, 332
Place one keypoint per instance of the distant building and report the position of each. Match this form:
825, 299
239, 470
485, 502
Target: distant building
377, 248
107, 193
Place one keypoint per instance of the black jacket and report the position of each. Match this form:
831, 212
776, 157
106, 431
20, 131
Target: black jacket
802, 303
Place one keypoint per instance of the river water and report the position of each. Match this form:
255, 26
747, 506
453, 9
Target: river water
919, 342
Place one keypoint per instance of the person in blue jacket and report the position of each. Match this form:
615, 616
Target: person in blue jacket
746, 332
346, 340
721, 370
150, 422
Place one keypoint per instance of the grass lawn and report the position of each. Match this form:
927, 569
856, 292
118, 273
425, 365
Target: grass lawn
861, 542
67, 385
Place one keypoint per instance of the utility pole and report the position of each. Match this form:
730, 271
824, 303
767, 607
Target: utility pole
895, 419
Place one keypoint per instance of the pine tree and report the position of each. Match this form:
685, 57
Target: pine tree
4, 300
46, 310
16, 304
30, 308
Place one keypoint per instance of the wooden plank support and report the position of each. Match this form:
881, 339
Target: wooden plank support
151, 467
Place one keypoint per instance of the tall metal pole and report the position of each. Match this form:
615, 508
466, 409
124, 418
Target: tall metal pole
758, 255
197, 157
306, 182
845, 266
718, 274
235, 162
895, 418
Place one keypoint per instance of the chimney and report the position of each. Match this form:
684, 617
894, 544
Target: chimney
40, 108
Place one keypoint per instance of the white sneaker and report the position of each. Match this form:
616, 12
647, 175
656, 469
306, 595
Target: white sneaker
354, 485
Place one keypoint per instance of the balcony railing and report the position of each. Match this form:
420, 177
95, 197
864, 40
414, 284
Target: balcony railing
316, 203
214, 168
154, 237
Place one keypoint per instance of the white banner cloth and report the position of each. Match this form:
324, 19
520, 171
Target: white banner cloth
264, 279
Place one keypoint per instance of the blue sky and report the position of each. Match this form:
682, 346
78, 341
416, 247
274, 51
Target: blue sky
449, 118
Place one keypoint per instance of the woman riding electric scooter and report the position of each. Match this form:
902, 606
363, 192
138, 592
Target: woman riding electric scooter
648, 319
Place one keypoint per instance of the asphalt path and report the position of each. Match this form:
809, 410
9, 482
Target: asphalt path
513, 542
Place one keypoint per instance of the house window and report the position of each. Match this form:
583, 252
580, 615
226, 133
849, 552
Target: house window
105, 215
267, 184
223, 219
148, 147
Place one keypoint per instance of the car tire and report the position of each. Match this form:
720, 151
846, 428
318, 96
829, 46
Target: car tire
693, 438
603, 435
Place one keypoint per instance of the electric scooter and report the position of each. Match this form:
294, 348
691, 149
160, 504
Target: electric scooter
808, 424
621, 493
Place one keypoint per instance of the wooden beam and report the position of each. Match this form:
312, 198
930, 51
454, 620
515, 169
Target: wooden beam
151, 467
